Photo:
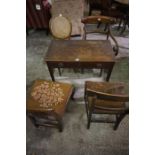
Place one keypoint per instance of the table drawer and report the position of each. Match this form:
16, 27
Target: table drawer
80, 64
64, 64
96, 64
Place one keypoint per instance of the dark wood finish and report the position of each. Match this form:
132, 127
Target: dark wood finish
106, 98
109, 8
102, 19
123, 6
80, 54
101, 5
47, 116
37, 19
98, 5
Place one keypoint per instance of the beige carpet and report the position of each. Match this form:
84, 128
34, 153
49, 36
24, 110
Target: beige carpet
72, 9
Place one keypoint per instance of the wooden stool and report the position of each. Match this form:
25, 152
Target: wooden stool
47, 103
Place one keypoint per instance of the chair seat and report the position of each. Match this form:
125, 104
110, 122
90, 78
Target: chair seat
48, 96
107, 106
106, 98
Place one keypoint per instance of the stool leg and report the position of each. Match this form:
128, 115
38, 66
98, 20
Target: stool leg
60, 125
34, 121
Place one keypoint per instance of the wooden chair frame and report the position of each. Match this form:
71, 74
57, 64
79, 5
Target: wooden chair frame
101, 19
120, 113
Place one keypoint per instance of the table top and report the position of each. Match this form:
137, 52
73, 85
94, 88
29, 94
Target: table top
80, 50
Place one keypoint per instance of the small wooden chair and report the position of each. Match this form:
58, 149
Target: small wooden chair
102, 19
60, 27
105, 98
47, 103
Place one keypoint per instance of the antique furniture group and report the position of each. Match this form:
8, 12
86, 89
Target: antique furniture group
48, 99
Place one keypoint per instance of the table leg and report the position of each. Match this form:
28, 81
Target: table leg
51, 70
109, 72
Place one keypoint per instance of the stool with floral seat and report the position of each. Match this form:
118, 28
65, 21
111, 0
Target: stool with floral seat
47, 102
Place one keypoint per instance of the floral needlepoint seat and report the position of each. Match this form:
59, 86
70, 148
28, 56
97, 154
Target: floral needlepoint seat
47, 102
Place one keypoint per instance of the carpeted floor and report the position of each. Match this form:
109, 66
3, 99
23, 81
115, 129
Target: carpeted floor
75, 139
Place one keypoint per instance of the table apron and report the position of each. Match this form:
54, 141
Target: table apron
80, 64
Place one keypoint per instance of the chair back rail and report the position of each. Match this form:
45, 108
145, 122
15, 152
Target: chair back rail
107, 96
108, 21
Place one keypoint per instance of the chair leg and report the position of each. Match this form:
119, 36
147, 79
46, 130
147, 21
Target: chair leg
82, 70
89, 120
59, 71
101, 71
86, 107
98, 25
105, 28
72, 96
120, 22
124, 26
118, 120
